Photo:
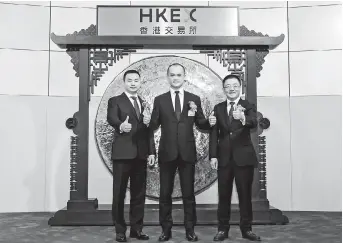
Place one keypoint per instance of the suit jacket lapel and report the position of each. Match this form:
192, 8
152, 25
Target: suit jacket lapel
129, 104
184, 112
169, 103
226, 114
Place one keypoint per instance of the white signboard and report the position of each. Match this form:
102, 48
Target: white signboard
164, 21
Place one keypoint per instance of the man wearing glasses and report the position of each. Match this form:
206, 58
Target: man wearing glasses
233, 156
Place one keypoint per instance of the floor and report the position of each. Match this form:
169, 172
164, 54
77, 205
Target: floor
312, 227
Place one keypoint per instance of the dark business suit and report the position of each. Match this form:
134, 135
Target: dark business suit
177, 151
231, 144
129, 154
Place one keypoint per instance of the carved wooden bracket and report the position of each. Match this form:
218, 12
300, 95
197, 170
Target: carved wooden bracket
260, 54
73, 53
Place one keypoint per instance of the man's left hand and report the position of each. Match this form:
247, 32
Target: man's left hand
146, 120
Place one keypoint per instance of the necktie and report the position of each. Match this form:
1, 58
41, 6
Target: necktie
136, 105
231, 112
177, 105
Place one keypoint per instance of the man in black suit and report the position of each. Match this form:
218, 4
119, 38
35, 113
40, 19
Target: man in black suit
233, 155
176, 112
130, 150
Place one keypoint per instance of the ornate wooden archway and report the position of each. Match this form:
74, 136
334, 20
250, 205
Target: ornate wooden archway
92, 55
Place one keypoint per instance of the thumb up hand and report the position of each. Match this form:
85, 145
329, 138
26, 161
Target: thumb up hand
212, 119
146, 118
126, 126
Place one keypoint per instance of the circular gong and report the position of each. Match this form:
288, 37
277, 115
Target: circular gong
200, 80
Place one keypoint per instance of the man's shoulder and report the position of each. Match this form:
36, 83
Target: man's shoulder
245, 103
116, 97
194, 96
162, 95
223, 103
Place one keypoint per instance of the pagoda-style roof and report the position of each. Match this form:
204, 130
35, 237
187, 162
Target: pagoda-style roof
167, 42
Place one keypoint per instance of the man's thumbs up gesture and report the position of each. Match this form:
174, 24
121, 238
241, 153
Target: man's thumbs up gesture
126, 126
212, 119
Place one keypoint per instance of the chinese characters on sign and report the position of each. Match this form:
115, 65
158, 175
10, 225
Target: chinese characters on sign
169, 30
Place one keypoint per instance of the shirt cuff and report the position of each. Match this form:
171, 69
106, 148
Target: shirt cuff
120, 130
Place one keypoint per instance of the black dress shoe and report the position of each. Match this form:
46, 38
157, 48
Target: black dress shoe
191, 236
120, 237
221, 235
139, 235
165, 236
250, 236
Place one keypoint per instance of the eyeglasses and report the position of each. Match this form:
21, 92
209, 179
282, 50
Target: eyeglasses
234, 86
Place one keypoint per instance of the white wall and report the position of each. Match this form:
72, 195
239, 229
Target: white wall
299, 91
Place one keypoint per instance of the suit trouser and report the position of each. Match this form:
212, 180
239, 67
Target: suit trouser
243, 176
167, 175
123, 170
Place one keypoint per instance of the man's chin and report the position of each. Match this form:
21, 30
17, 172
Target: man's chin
177, 86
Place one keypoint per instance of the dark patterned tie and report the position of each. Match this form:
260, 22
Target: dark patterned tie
177, 105
136, 105
231, 112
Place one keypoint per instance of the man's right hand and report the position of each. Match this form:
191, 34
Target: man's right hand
214, 163
212, 119
126, 126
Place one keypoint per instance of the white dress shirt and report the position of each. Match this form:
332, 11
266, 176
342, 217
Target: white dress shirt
181, 95
133, 102
234, 106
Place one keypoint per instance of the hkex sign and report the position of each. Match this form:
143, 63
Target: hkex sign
167, 20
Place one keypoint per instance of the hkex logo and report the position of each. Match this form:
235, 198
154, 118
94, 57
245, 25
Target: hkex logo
160, 14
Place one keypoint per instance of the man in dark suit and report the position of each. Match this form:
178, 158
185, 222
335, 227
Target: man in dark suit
130, 150
176, 112
233, 155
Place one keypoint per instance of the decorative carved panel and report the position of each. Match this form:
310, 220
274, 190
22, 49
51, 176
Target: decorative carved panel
73, 163
100, 60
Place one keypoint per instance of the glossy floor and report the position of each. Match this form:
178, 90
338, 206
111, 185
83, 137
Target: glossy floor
311, 227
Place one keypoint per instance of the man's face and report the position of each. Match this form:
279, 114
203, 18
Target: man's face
132, 83
176, 76
232, 88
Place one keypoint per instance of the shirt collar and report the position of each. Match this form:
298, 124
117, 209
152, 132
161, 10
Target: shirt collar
172, 91
236, 101
130, 95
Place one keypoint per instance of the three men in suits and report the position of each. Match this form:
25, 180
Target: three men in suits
176, 112
130, 150
233, 155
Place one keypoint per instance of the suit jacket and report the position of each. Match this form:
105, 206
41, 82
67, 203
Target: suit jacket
131, 145
177, 136
233, 139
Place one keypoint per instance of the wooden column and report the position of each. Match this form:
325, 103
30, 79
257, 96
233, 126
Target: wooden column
251, 96
79, 197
